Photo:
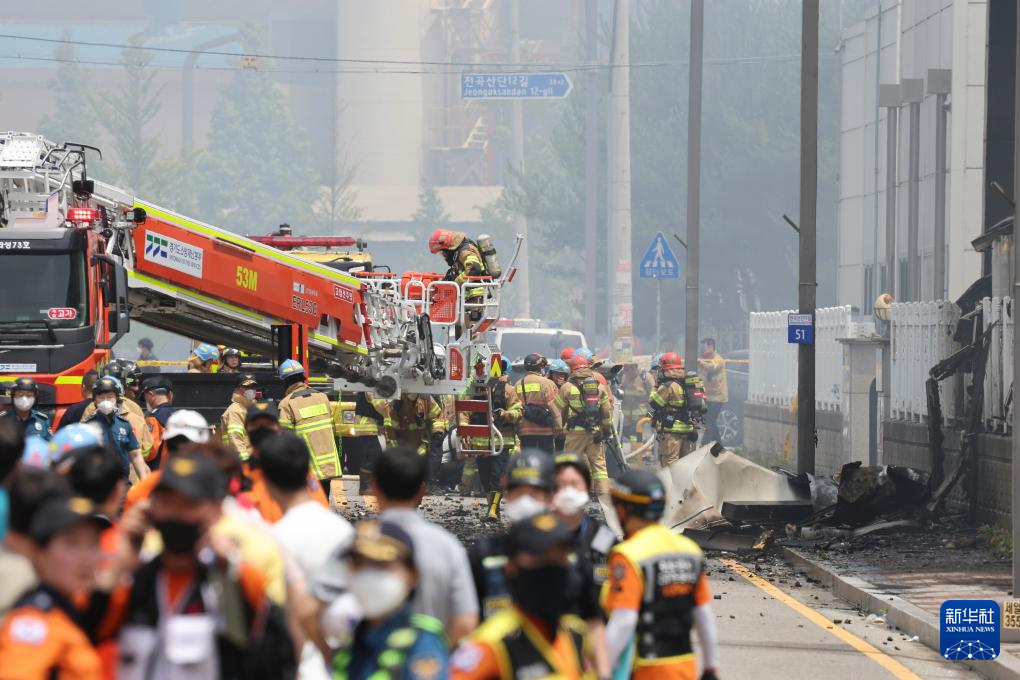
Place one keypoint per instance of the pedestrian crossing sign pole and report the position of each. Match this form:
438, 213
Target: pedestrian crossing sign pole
659, 263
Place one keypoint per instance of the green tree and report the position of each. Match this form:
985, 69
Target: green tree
73, 118
430, 213
259, 173
126, 115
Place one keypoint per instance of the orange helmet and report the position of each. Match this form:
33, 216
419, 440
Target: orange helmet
577, 362
671, 361
567, 353
442, 239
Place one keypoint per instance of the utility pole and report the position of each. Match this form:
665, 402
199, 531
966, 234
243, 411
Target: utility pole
619, 188
591, 175
939, 84
1016, 296
808, 228
697, 39
517, 160
889, 99
913, 94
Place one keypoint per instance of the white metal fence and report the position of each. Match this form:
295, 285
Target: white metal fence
773, 369
997, 314
921, 336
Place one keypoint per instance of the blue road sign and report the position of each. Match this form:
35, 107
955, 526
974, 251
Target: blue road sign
659, 262
514, 85
800, 329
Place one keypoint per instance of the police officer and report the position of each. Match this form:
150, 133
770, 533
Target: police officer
24, 396
667, 407
649, 622
419, 422
390, 642
537, 636
157, 393
310, 415
43, 636
357, 421
232, 421
116, 430
202, 358
588, 419
540, 421
530, 479
230, 361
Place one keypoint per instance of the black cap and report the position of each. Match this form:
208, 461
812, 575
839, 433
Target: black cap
538, 533
156, 384
262, 408
57, 514
642, 491
382, 542
25, 384
193, 476
531, 467
246, 380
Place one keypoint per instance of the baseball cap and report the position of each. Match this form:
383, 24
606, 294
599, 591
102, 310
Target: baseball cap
188, 424
247, 380
57, 514
158, 383
193, 476
382, 542
262, 408
538, 533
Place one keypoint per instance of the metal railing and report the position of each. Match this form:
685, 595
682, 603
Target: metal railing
921, 336
773, 368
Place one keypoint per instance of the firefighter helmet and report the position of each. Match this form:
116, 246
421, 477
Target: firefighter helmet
558, 366
535, 362
444, 239
577, 362
567, 353
206, 352
671, 361
291, 368
76, 436
125, 371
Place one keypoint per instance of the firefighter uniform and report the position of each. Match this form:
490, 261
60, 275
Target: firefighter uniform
310, 415
661, 575
42, 638
583, 403
672, 423
357, 422
538, 396
506, 411
232, 426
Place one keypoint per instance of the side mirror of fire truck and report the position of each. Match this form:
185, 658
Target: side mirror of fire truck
115, 293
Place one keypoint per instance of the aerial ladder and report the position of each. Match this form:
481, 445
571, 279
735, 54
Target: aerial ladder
82, 258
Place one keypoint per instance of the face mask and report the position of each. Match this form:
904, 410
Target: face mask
541, 592
179, 537
249, 395
522, 508
106, 407
570, 500
259, 435
378, 591
24, 403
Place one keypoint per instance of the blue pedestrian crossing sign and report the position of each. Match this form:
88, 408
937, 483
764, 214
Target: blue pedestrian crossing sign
659, 262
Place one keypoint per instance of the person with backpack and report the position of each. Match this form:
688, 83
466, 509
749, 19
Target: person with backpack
667, 405
540, 422
584, 407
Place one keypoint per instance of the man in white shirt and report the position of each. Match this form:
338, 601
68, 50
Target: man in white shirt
308, 532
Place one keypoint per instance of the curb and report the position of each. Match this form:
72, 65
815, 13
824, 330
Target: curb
909, 618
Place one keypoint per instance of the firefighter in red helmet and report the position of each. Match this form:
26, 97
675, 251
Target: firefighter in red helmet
464, 259
668, 408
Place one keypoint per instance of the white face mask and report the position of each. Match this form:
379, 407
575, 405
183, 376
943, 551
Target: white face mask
522, 508
378, 591
570, 500
106, 406
24, 403
249, 395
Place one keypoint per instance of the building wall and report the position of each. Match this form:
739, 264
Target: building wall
915, 36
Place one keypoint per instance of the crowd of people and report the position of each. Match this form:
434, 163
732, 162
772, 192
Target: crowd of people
139, 541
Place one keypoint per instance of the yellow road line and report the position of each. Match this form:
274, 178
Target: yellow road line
897, 669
